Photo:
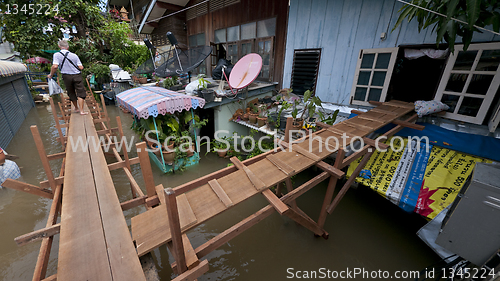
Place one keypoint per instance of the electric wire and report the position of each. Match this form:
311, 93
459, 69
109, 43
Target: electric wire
442, 15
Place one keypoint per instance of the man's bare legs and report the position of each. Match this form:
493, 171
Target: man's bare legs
80, 103
76, 105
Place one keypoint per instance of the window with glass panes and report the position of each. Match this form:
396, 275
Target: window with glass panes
195, 41
373, 75
254, 37
470, 82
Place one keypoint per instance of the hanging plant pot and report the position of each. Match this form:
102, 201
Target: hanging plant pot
169, 157
208, 95
222, 154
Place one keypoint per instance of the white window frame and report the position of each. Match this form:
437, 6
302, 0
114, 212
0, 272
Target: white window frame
493, 124
490, 94
388, 76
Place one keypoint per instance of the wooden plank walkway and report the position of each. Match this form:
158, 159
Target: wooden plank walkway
95, 242
151, 229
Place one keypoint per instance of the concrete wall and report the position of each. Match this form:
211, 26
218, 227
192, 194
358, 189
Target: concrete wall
341, 28
223, 113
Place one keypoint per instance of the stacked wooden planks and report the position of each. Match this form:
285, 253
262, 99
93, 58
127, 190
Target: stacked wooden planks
95, 242
213, 196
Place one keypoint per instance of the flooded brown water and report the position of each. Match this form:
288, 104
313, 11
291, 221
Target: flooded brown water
366, 231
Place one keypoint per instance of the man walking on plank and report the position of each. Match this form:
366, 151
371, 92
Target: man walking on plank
70, 66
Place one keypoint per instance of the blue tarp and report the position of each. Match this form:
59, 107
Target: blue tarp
481, 146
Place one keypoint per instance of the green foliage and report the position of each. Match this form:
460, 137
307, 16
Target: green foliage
330, 119
169, 82
469, 12
254, 108
311, 103
203, 84
99, 38
100, 71
295, 110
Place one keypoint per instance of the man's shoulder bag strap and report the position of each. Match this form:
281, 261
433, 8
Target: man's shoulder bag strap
66, 58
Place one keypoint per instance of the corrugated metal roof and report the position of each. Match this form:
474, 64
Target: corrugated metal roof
9, 68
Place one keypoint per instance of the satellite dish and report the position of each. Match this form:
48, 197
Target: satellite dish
245, 71
175, 61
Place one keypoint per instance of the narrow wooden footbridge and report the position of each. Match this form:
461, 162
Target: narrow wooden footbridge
95, 242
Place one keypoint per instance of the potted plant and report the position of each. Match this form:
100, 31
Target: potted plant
143, 79
310, 105
172, 83
262, 118
168, 82
169, 156
297, 122
208, 94
179, 161
254, 113
281, 120
220, 147
186, 144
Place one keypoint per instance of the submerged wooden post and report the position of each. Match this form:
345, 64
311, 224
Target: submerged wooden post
56, 119
44, 254
175, 229
63, 113
105, 110
330, 189
147, 173
124, 148
43, 156
347, 185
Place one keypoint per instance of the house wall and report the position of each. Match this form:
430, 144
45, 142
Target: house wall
244, 12
15, 104
174, 24
341, 28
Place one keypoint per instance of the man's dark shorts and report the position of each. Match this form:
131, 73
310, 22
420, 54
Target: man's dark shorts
74, 86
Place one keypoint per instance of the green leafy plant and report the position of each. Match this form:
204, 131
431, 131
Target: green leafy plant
202, 82
253, 108
311, 103
295, 109
264, 111
284, 106
468, 14
179, 160
216, 145
169, 82
330, 119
